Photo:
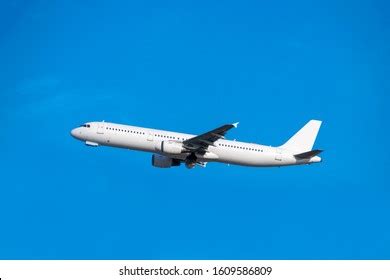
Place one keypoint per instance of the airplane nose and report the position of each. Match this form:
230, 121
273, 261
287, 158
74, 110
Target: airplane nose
74, 133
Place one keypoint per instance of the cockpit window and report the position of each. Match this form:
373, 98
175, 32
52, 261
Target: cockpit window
85, 125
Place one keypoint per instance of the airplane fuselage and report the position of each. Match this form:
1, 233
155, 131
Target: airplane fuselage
151, 140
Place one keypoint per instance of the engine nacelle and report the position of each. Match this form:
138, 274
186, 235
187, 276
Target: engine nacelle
164, 162
171, 147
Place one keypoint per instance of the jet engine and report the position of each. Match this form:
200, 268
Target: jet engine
171, 147
164, 162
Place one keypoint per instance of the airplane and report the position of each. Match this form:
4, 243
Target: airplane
172, 148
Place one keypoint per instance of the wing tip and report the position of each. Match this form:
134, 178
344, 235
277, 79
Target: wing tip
236, 124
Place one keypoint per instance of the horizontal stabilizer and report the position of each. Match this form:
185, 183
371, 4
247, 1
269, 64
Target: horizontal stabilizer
308, 154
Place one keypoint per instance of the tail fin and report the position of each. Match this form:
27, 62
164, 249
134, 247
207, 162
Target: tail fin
304, 139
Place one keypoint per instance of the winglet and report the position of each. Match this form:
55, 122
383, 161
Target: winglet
236, 124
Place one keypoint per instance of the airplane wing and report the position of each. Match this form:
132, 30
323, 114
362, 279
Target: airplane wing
201, 142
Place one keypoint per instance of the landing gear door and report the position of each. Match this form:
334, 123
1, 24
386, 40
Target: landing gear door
101, 127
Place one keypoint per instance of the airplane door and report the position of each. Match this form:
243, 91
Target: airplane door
101, 127
278, 155
150, 136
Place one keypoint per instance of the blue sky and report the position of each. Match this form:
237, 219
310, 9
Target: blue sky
191, 66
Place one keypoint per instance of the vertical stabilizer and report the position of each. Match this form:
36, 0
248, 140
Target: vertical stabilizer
304, 139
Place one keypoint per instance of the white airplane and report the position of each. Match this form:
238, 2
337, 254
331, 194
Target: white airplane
173, 148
